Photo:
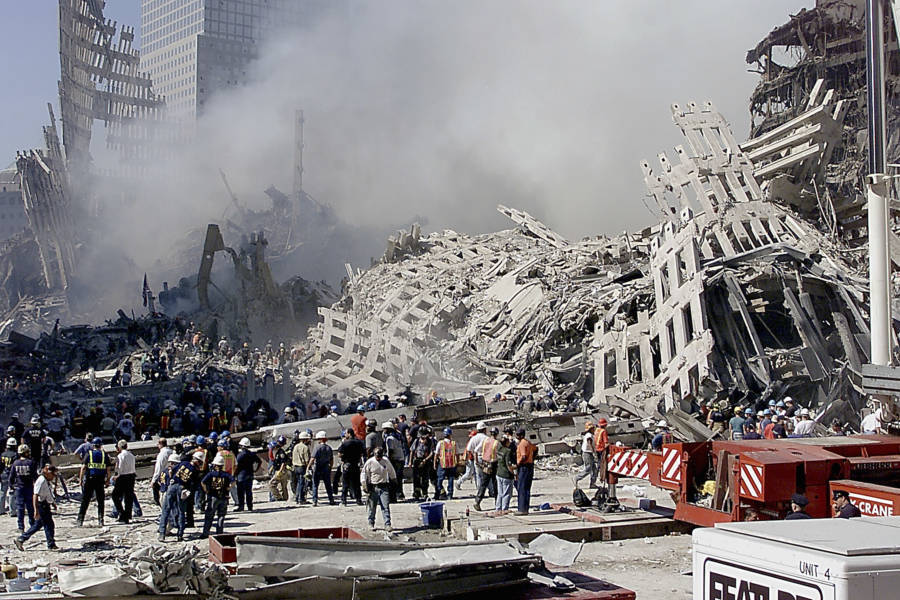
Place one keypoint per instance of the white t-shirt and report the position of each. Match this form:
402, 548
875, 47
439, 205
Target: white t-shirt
475, 444
871, 422
125, 463
43, 490
587, 442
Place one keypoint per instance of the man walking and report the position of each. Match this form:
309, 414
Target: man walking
123, 485
393, 451
487, 462
6, 460
378, 473
588, 455
601, 447
525, 452
445, 461
42, 501
300, 461
94, 476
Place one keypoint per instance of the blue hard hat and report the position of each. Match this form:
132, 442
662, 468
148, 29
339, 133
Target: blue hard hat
223, 443
780, 404
360, 408
768, 411
97, 442
225, 433
201, 440
771, 403
193, 438
213, 436
748, 411
447, 431
309, 431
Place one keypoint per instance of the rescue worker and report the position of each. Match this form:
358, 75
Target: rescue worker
525, 452
506, 465
473, 449
352, 453
168, 504
281, 472
373, 438
159, 469
94, 477
123, 484
421, 455
358, 422
798, 508
487, 462
321, 462
42, 501
377, 475
843, 507
601, 446
34, 438
663, 436
216, 484
588, 455
393, 451
247, 464
300, 462
6, 460
445, 462
21, 482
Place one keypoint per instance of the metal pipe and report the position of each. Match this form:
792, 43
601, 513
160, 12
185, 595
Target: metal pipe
877, 191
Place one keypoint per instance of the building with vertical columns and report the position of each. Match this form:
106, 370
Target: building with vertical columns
194, 48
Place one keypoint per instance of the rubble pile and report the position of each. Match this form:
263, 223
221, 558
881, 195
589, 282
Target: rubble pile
734, 295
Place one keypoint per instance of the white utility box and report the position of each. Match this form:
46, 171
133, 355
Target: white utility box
812, 559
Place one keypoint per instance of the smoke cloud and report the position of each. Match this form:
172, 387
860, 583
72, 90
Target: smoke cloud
437, 111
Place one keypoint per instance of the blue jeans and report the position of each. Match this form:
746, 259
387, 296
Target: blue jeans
215, 508
380, 495
244, 494
45, 521
4, 492
504, 493
25, 506
137, 510
170, 510
524, 477
450, 475
300, 489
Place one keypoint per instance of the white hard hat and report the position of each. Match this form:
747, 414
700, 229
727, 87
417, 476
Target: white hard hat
11, 443
481, 425
662, 423
198, 456
387, 425
174, 458
304, 435
244, 443
219, 460
804, 412
321, 435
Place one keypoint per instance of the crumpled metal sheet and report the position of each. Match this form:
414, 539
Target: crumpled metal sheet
556, 551
99, 580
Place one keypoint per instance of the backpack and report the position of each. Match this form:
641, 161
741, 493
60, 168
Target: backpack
580, 499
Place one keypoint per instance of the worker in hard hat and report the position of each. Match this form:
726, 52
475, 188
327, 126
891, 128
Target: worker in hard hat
300, 454
601, 446
474, 447
247, 462
588, 455
94, 477
663, 436
321, 462
216, 484
445, 462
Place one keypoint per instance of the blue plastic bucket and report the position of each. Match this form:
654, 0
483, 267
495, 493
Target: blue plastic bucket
432, 514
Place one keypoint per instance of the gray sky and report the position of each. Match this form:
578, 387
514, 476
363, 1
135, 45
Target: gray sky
445, 109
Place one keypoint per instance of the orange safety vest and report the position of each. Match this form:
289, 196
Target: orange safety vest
446, 454
601, 439
489, 450
164, 423
229, 459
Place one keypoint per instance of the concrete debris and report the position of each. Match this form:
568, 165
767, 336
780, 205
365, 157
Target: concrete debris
556, 551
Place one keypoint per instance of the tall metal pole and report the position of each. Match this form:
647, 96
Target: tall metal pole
298, 154
877, 190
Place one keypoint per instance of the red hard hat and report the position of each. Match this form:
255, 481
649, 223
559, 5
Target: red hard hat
601, 422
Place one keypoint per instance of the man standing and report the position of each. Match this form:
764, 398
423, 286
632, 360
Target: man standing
123, 486
421, 456
321, 462
21, 481
601, 446
506, 464
736, 424
281, 472
358, 422
487, 462
393, 451
34, 438
216, 484
445, 461
94, 477
247, 464
6, 460
806, 426
378, 473
843, 508
351, 452
798, 508
588, 455
373, 438
525, 452
159, 468
473, 448
300, 461
42, 501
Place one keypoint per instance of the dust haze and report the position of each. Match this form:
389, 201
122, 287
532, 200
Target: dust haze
437, 111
